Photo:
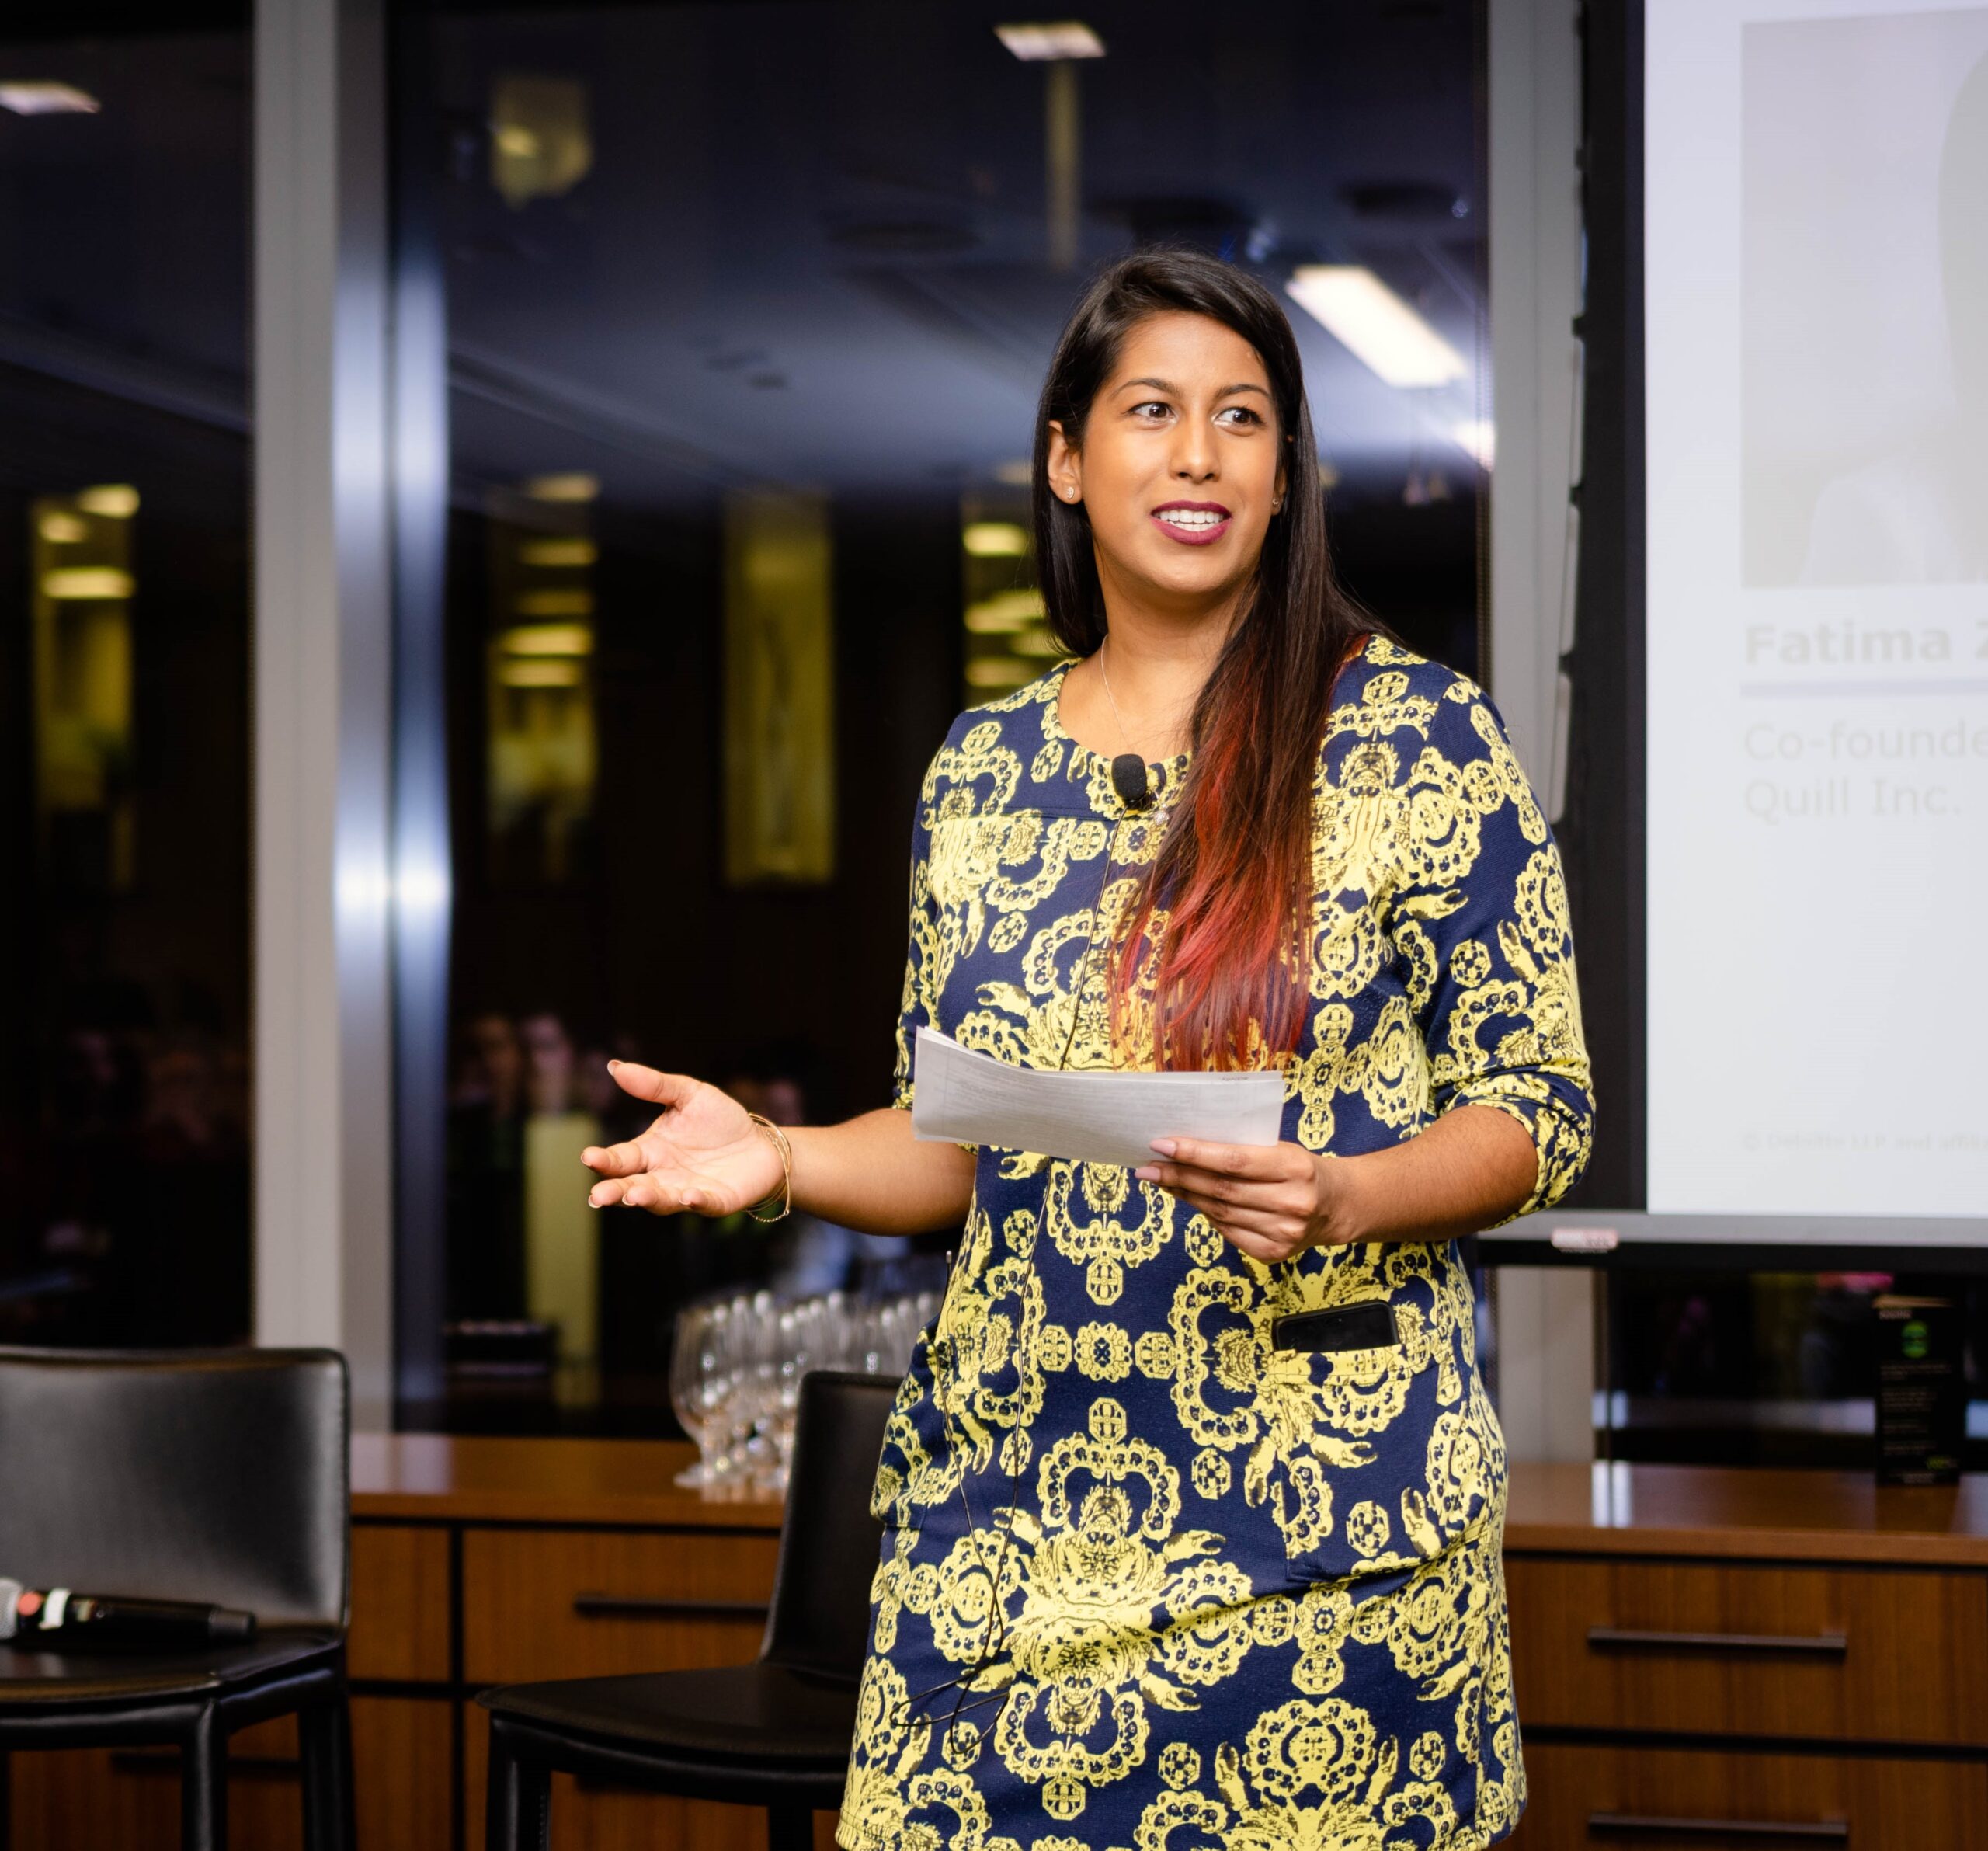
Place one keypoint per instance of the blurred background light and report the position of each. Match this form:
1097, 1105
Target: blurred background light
994, 540
68, 584
570, 484
1002, 613
557, 600
540, 145
1477, 438
574, 551
534, 672
549, 639
998, 671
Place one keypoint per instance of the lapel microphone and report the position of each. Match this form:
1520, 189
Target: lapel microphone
1129, 779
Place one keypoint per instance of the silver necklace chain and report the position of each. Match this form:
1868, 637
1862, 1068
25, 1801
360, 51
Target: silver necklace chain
1124, 738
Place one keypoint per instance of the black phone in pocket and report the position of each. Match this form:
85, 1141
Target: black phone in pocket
1366, 1324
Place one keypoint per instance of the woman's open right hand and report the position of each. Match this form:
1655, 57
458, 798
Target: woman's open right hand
703, 1153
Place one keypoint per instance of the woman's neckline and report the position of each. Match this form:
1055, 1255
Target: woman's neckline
1053, 725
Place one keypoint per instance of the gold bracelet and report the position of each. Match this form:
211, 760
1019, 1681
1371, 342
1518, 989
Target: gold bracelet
786, 1150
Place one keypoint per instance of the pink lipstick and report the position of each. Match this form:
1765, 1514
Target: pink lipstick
1191, 523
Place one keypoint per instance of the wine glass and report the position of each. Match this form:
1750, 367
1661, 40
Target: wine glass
701, 1382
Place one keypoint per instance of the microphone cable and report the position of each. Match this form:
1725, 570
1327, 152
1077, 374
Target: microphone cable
995, 1637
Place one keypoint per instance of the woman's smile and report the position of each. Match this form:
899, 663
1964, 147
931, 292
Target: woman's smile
1192, 523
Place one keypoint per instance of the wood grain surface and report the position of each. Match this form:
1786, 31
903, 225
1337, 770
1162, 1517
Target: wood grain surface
1737, 1513
1715, 1512
522, 1619
1720, 1648
482, 1478
400, 1604
1613, 1798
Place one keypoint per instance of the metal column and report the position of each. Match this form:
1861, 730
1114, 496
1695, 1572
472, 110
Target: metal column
323, 689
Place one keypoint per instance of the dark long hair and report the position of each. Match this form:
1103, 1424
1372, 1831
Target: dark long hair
1224, 906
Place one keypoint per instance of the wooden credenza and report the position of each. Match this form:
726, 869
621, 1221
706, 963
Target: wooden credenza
1712, 1659
1724, 1650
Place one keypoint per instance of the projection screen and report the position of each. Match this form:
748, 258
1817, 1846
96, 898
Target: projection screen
1816, 267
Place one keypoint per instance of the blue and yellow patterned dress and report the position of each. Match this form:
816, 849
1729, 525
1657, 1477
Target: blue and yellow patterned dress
1148, 1582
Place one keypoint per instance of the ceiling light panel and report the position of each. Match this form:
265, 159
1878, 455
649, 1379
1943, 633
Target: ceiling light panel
1044, 41
1357, 309
38, 99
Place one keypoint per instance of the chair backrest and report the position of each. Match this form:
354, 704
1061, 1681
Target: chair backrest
829, 1542
212, 1475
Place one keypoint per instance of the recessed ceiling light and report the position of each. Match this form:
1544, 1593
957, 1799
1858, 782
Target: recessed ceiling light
1355, 306
1051, 39
47, 99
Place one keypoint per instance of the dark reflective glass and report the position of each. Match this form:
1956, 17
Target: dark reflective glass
1738, 1368
747, 308
124, 671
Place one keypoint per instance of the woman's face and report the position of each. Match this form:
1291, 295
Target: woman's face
1180, 469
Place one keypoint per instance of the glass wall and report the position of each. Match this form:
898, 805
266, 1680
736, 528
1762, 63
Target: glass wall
747, 307
124, 674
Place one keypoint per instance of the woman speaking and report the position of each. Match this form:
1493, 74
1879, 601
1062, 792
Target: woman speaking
1194, 1497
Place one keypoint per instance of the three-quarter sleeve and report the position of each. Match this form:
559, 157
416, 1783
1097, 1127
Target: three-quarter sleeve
1480, 916
918, 1008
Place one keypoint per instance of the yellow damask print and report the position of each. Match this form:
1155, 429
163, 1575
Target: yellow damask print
1294, 1416
1101, 1219
1150, 1582
1102, 1606
991, 1387
1311, 1775
884, 1794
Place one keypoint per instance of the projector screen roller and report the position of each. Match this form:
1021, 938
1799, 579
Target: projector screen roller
1815, 274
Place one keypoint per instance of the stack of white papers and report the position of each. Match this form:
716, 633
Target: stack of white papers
962, 1097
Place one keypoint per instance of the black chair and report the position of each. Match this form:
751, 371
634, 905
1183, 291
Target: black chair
775, 1733
210, 1475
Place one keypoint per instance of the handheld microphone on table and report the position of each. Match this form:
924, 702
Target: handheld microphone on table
59, 1619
